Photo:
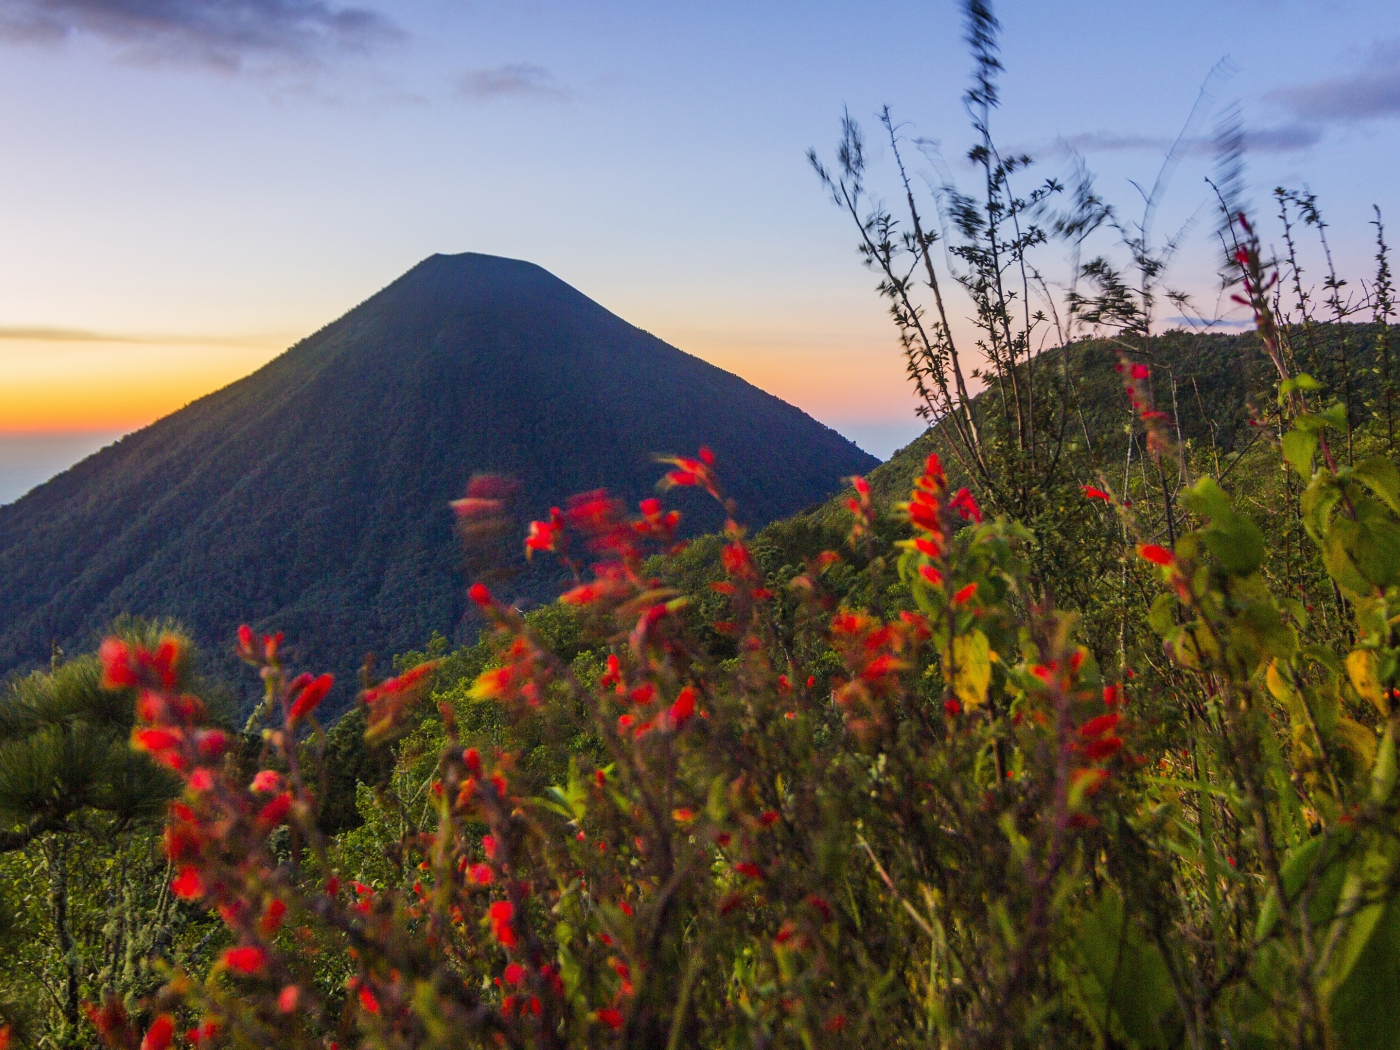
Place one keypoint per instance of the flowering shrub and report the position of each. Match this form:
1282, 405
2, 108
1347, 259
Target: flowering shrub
942, 823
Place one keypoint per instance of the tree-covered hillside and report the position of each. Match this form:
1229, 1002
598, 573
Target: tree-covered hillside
313, 496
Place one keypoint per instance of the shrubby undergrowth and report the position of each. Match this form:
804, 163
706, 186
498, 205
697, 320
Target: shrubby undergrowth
900, 772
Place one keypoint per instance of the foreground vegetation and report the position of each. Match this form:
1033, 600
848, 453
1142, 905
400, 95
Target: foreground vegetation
1073, 725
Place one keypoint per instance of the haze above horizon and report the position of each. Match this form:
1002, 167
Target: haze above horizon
202, 186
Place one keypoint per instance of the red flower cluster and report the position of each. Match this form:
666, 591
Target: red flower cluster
389, 701
1139, 394
697, 472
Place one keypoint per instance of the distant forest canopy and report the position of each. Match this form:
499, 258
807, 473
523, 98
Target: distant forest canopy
313, 496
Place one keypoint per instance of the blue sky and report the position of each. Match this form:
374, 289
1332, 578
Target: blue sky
192, 185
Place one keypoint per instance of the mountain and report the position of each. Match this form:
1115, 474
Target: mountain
1211, 382
312, 496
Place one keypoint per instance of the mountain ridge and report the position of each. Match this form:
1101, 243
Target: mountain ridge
312, 495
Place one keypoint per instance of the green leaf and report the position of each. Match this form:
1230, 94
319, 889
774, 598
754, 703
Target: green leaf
1161, 618
1121, 975
968, 667
1372, 977
1382, 477
1298, 449
1326, 853
1302, 381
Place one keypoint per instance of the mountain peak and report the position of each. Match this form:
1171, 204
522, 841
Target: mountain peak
312, 496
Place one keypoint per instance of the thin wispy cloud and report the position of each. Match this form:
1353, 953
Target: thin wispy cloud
39, 334
229, 35
515, 80
1370, 93
1283, 138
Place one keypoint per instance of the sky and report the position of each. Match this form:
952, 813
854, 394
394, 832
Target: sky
191, 186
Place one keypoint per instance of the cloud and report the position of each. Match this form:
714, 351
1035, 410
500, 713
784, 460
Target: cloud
39, 334
1371, 93
1110, 142
517, 80
1284, 138
221, 34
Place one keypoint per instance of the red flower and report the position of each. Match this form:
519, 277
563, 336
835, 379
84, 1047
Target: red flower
931, 574
820, 905
1097, 727
964, 594
245, 641
951, 707
736, 560
211, 744
1155, 554
769, 818
1140, 371
479, 593
684, 707
275, 812
248, 960
753, 871
1103, 748
471, 758
965, 505
272, 917
481, 874
287, 1000
160, 1033
117, 672
367, 1000
1093, 493
156, 740
514, 973
310, 697
610, 1017
266, 780
188, 885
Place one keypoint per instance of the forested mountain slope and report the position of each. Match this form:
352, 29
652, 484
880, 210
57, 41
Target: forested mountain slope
312, 496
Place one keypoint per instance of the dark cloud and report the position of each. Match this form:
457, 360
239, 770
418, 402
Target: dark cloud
1371, 93
225, 34
518, 80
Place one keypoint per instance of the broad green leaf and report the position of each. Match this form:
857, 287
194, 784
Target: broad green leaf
1161, 618
1372, 978
1120, 975
1336, 557
1302, 381
1382, 477
1298, 449
1328, 854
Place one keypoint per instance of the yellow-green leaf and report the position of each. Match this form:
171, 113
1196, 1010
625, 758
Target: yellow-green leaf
1364, 671
968, 668
1357, 739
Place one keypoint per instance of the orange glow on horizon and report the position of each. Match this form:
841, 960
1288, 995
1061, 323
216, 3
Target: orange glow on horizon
110, 384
